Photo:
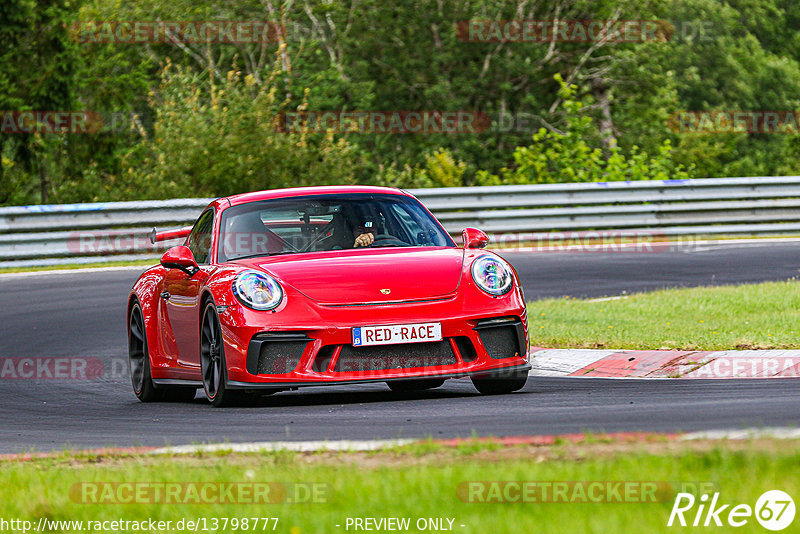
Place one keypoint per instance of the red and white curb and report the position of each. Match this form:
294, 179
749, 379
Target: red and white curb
666, 363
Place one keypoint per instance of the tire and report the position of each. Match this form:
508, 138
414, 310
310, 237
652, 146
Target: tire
500, 384
420, 384
139, 364
212, 361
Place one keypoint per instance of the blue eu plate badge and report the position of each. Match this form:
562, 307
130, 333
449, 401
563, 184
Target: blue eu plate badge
356, 336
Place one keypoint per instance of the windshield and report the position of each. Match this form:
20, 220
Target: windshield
326, 222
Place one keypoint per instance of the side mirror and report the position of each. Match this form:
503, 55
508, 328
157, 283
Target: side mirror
180, 257
474, 238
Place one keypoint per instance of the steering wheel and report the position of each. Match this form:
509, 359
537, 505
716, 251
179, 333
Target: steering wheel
387, 237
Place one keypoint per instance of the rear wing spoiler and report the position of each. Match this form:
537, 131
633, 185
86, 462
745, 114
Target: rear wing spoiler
166, 235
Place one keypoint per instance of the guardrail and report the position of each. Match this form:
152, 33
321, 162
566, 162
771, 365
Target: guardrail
114, 231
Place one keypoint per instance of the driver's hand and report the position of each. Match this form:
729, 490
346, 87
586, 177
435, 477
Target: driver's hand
364, 240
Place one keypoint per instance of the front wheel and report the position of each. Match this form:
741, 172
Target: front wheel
212, 360
500, 383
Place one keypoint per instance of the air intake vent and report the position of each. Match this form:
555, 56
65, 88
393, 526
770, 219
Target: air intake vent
386, 357
275, 353
502, 337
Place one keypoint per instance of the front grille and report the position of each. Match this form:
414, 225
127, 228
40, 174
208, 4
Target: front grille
275, 353
386, 357
502, 338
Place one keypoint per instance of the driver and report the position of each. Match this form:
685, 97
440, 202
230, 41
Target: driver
345, 236
364, 237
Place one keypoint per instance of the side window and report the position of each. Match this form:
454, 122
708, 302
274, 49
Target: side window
410, 224
199, 240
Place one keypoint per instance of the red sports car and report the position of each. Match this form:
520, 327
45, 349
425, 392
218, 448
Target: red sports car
318, 286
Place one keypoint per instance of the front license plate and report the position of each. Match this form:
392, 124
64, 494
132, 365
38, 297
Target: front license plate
396, 334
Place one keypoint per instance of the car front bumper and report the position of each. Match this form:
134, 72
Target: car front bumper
484, 337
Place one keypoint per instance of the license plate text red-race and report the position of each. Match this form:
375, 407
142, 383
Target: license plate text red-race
396, 334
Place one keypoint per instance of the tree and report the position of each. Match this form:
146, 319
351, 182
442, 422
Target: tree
14, 17
39, 36
217, 138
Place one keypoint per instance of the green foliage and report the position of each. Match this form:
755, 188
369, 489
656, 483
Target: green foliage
37, 64
568, 157
440, 169
213, 139
423, 480
610, 123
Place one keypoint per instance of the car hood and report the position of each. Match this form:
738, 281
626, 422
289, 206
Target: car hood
364, 276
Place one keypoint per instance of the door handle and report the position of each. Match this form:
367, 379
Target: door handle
165, 295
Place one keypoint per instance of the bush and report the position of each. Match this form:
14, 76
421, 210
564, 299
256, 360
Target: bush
212, 139
568, 157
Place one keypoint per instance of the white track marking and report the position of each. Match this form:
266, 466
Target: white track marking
746, 433
296, 446
374, 445
562, 362
606, 299
140, 268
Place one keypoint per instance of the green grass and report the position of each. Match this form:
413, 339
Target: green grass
758, 316
413, 485
69, 266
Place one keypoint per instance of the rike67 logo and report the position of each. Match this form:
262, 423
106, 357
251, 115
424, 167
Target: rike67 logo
774, 510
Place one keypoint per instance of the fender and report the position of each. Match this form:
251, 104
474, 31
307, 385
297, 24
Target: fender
160, 341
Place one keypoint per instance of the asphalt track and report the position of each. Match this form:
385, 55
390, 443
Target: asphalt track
82, 314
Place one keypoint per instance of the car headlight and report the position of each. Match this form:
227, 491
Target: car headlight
257, 290
492, 275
